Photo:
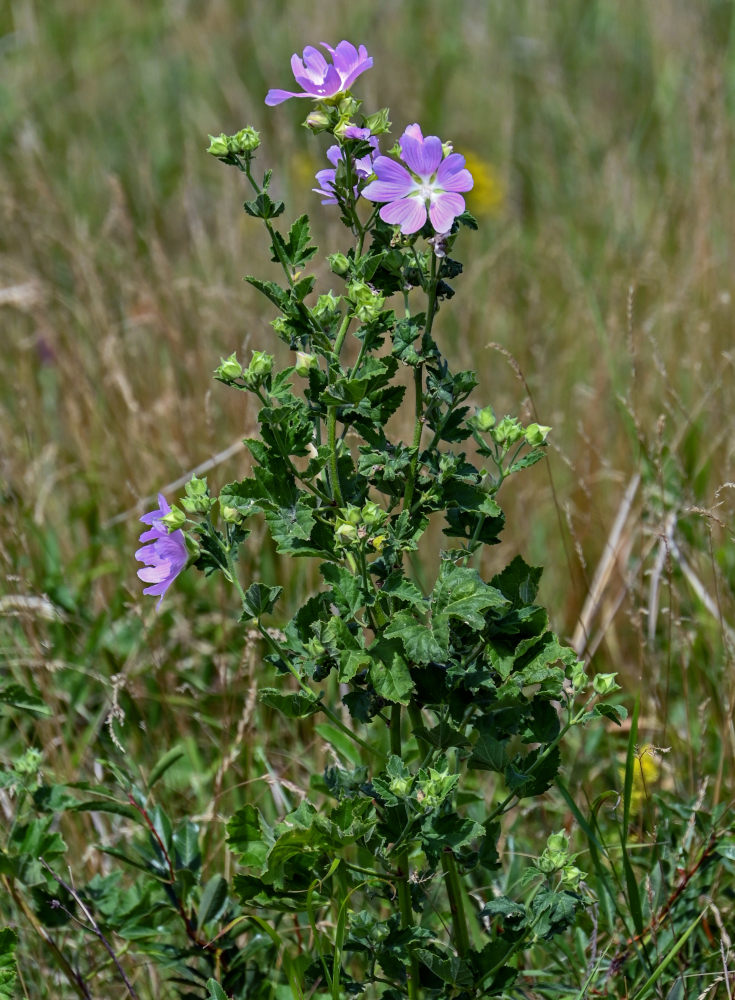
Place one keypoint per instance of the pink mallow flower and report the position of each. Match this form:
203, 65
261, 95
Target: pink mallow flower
320, 79
363, 165
432, 181
164, 553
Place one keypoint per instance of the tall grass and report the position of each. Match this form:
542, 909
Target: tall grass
599, 297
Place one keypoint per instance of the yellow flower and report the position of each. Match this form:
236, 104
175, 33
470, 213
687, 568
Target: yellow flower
488, 193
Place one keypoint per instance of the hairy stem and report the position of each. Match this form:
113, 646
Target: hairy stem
456, 903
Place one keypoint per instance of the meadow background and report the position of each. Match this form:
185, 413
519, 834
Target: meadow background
597, 298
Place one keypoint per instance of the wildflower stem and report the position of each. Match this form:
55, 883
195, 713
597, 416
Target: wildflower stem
402, 868
456, 903
418, 381
332, 423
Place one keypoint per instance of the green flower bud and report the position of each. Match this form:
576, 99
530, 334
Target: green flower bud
228, 368
175, 518
218, 145
366, 301
260, 367
557, 842
508, 431
400, 786
230, 514
605, 684
339, 263
579, 676
327, 304
244, 142
346, 532
29, 763
317, 121
305, 362
378, 122
485, 419
536, 434
196, 487
571, 876
373, 515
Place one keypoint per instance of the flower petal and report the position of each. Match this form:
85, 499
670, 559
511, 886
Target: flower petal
408, 213
444, 209
451, 175
393, 182
275, 97
422, 157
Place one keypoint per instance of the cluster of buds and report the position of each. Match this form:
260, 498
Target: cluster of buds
196, 501
230, 370
361, 522
509, 430
366, 301
556, 858
229, 147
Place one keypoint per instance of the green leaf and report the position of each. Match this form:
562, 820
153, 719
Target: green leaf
346, 588
552, 912
8, 974
259, 600
294, 705
185, 843
489, 753
271, 291
461, 593
168, 760
418, 640
213, 900
518, 582
215, 991
389, 674
289, 525
448, 832
16, 696
249, 836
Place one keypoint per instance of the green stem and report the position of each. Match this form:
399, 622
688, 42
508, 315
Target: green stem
456, 903
332, 424
402, 867
418, 381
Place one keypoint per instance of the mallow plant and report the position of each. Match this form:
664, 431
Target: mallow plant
446, 707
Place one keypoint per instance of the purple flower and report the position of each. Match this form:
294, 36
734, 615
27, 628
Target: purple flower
320, 79
165, 554
363, 165
432, 180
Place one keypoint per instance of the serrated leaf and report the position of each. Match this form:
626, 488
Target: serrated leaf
553, 912
8, 974
289, 525
390, 676
249, 836
215, 991
259, 600
418, 640
518, 582
461, 593
294, 705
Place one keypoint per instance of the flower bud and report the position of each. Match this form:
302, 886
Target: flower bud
373, 514
536, 434
378, 122
571, 876
196, 487
317, 121
368, 303
175, 518
339, 264
304, 363
244, 142
228, 368
218, 145
346, 532
230, 514
579, 676
485, 419
605, 684
508, 431
261, 365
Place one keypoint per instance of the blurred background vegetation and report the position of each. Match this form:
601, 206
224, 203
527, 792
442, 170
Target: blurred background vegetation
597, 298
